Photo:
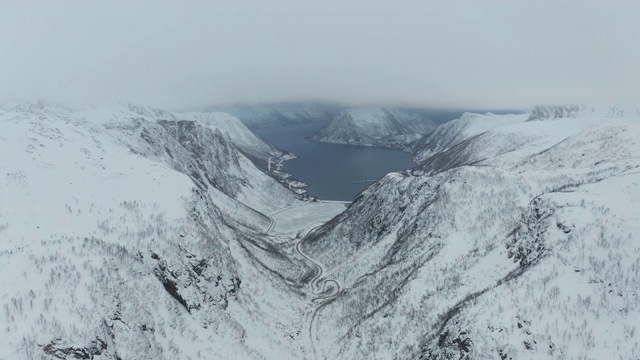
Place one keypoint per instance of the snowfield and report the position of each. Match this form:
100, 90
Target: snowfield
292, 222
137, 233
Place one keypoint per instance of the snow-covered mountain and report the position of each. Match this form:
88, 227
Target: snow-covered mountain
522, 243
137, 233
263, 154
452, 133
230, 126
376, 127
266, 115
246, 141
129, 233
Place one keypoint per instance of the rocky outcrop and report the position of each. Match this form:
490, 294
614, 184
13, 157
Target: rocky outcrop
541, 113
95, 348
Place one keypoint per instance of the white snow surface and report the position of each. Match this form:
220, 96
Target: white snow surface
454, 132
128, 233
513, 240
294, 222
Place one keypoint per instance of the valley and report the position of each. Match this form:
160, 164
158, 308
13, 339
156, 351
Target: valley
301, 221
133, 232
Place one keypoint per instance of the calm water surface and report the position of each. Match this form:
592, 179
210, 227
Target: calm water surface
329, 169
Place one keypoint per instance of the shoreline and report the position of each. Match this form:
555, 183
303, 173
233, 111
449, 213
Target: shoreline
287, 179
352, 180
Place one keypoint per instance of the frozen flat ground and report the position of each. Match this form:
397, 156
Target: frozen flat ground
298, 220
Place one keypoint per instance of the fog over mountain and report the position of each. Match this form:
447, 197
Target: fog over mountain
160, 163
469, 54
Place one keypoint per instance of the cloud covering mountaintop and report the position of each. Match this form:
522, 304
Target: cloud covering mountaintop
478, 54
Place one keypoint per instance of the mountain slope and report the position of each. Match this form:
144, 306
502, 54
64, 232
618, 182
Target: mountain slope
250, 144
526, 250
264, 155
454, 132
124, 236
375, 127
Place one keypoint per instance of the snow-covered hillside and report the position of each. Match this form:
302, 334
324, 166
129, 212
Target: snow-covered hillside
137, 233
263, 154
524, 243
376, 127
450, 134
129, 233
238, 133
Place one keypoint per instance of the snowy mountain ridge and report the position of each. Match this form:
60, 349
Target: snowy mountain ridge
454, 132
514, 240
263, 154
236, 131
248, 142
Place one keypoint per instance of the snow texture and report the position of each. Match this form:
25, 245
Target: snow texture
515, 240
131, 233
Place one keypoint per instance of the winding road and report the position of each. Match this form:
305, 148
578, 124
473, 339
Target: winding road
273, 222
322, 299
319, 286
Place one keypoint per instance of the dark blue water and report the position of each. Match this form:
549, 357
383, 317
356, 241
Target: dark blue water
329, 169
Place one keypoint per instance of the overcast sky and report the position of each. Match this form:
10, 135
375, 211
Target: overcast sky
470, 54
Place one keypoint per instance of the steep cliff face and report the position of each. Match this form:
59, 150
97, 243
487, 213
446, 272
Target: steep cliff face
375, 127
520, 244
124, 236
238, 133
260, 152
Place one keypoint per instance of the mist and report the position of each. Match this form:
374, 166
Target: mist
453, 54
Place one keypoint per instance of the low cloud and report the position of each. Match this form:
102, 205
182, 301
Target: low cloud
479, 54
